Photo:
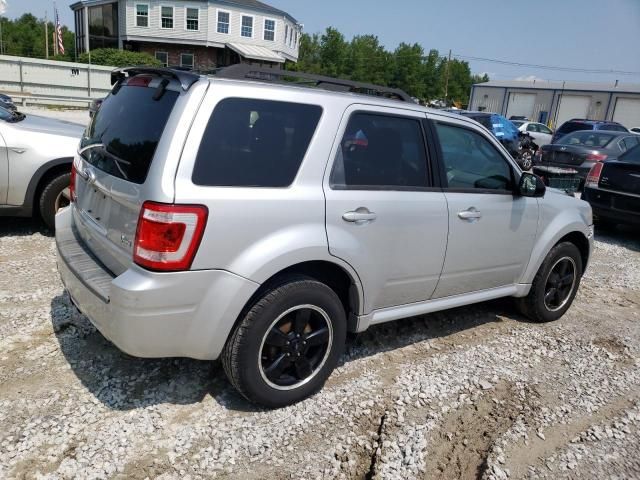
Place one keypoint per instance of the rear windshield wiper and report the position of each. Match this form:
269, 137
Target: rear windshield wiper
116, 160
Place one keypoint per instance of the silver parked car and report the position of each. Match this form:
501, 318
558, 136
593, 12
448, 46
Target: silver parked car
259, 222
35, 164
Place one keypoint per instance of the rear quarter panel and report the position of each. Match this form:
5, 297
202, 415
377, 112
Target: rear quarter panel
258, 232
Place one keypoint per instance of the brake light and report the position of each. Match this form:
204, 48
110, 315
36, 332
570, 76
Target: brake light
594, 175
168, 236
140, 81
72, 183
596, 157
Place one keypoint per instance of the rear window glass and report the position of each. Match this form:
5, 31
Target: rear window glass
574, 127
590, 138
631, 156
254, 143
129, 125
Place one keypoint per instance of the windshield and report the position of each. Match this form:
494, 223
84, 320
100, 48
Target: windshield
125, 132
587, 138
517, 123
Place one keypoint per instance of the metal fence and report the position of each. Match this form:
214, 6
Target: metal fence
31, 80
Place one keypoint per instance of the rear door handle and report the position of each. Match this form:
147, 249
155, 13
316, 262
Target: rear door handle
359, 216
471, 215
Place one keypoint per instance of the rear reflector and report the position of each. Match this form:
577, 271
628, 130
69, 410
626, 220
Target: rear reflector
168, 236
597, 157
594, 176
72, 183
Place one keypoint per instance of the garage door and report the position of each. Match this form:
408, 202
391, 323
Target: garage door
572, 106
627, 112
521, 104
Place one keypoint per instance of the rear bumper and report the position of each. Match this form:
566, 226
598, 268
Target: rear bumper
605, 206
147, 314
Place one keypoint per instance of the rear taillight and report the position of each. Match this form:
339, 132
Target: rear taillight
596, 157
72, 183
594, 176
168, 236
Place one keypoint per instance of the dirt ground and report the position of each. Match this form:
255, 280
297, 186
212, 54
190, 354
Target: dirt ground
476, 392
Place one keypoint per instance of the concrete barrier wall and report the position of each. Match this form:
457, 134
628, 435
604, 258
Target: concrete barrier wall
29, 76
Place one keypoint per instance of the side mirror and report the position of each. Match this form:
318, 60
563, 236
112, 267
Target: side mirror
531, 186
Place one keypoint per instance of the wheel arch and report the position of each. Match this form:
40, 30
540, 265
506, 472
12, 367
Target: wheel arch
40, 178
339, 278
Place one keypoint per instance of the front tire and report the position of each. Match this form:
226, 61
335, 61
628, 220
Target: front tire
288, 343
555, 285
55, 195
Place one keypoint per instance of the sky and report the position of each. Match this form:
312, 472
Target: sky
585, 34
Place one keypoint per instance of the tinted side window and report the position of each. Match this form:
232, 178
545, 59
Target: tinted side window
631, 156
544, 129
254, 143
532, 127
614, 128
471, 161
628, 143
381, 151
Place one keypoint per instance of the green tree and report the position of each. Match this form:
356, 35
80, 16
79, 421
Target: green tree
333, 53
408, 72
308, 56
25, 37
118, 58
368, 61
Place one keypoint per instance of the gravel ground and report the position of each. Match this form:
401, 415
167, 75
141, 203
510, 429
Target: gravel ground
476, 392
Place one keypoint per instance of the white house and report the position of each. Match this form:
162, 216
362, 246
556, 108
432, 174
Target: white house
201, 34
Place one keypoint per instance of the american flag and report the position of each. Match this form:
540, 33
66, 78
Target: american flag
59, 32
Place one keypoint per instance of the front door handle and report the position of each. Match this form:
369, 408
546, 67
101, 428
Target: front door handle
471, 215
359, 216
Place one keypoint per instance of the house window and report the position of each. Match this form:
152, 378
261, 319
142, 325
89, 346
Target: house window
247, 26
186, 60
166, 17
295, 43
223, 22
270, 30
286, 33
193, 19
142, 15
163, 57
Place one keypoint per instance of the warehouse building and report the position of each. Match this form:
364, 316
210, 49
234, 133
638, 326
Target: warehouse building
553, 103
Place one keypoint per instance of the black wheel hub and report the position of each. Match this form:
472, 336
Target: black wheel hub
559, 284
295, 347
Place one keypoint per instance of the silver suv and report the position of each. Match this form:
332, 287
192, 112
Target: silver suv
259, 222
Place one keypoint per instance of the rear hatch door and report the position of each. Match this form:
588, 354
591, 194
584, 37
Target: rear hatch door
122, 160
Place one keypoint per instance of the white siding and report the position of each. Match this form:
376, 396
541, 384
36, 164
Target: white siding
208, 33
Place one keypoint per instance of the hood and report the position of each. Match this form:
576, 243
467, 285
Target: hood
51, 126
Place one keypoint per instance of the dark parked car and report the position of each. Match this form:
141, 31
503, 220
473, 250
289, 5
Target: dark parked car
582, 149
613, 189
576, 124
517, 143
7, 102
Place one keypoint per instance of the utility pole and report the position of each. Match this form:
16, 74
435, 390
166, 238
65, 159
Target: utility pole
46, 36
446, 79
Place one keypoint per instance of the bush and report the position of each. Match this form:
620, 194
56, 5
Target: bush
118, 58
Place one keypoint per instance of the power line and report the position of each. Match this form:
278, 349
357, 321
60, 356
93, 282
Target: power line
547, 67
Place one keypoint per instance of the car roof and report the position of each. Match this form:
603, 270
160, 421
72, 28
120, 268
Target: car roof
614, 133
590, 122
328, 94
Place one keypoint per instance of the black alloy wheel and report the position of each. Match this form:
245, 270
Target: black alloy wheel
560, 283
295, 347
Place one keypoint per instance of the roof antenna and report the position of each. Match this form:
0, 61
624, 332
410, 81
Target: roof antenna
617, 83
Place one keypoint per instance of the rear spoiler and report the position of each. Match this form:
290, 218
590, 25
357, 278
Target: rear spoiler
186, 79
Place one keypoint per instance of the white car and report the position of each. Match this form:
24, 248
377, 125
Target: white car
539, 131
635, 130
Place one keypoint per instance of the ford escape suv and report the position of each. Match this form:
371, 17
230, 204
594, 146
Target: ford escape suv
245, 217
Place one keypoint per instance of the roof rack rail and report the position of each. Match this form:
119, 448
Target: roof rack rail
244, 71
186, 78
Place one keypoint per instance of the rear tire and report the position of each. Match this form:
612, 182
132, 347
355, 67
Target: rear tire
287, 344
554, 286
53, 198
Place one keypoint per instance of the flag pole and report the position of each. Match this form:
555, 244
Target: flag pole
46, 36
